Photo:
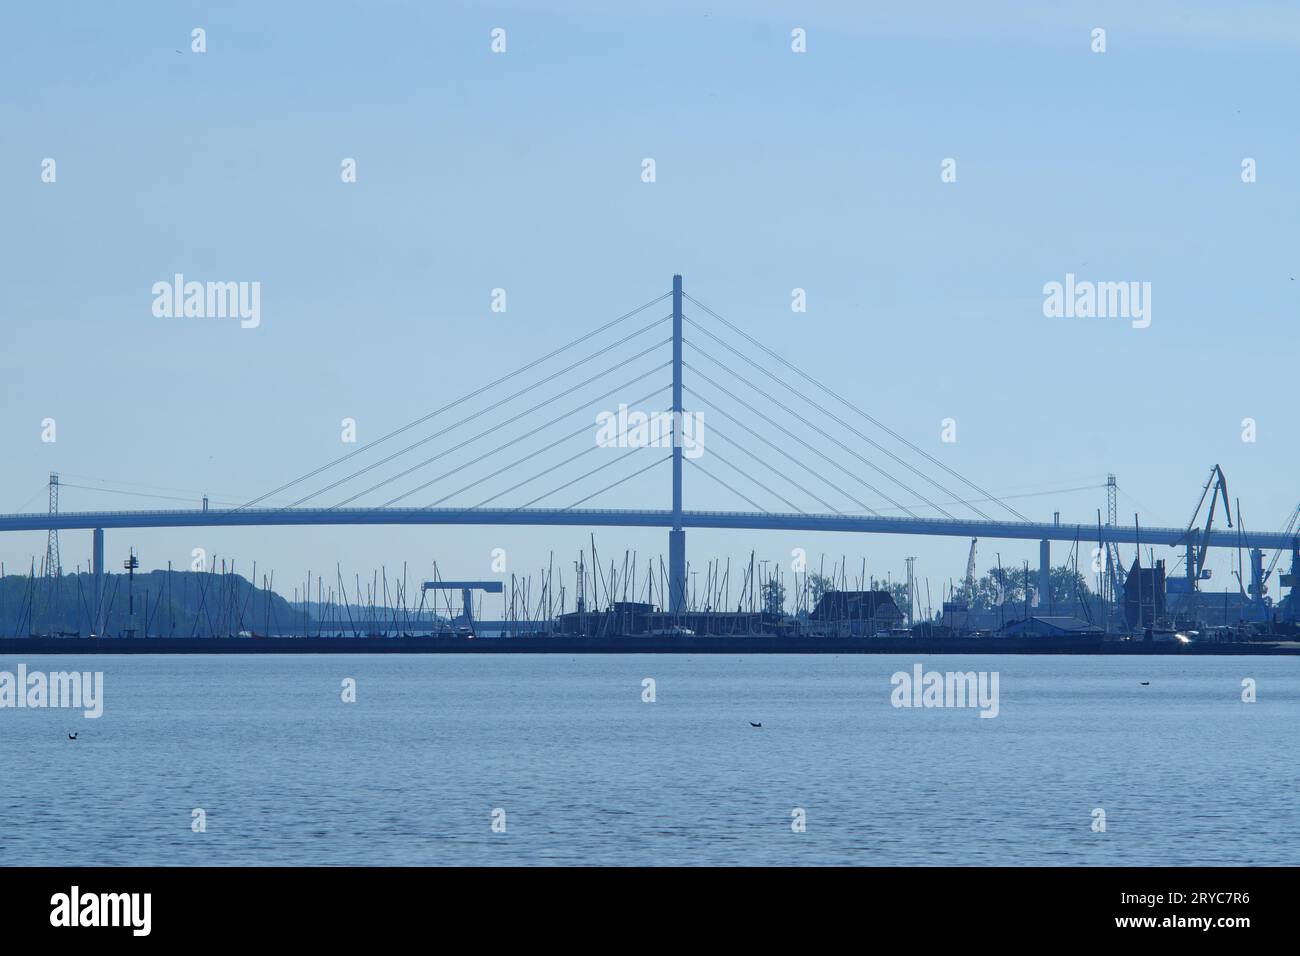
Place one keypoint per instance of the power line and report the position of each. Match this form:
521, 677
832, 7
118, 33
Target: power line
134, 484
1031, 494
134, 494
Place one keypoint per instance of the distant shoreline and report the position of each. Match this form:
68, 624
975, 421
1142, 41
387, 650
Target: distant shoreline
632, 645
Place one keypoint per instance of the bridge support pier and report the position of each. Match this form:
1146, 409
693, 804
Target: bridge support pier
1044, 574
1257, 577
97, 573
677, 571
677, 536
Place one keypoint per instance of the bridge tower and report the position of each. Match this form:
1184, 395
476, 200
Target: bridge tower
677, 535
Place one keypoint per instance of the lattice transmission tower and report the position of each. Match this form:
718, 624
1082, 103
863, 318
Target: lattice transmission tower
53, 566
1114, 582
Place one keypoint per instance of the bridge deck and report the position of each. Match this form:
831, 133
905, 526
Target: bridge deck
731, 520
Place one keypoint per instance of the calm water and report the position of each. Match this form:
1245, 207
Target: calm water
588, 773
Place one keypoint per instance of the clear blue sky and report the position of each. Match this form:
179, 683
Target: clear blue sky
775, 170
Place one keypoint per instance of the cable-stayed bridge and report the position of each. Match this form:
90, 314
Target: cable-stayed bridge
798, 454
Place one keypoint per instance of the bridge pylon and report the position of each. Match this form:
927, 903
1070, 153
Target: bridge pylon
677, 535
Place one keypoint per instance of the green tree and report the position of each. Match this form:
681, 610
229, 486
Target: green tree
1012, 584
898, 591
773, 593
819, 584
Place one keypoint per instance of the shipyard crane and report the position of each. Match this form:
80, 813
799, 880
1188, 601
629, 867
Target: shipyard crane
1216, 487
1287, 532
970, 572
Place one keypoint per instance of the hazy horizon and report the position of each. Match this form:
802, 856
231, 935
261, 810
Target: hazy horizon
522, 171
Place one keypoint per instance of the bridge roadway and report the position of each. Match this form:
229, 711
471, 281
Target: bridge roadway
728, 520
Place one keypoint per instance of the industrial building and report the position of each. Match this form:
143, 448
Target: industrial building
856, 612
1053, 626
1144, 595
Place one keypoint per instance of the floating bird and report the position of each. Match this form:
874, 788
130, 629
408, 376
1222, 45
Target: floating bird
1146, 683
73, 736
752, 724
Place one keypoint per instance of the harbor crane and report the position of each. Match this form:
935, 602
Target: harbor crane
466, 589
1198, 549
970, 571
1287, 532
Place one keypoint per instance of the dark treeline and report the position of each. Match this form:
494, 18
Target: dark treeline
217, 603
157, 604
